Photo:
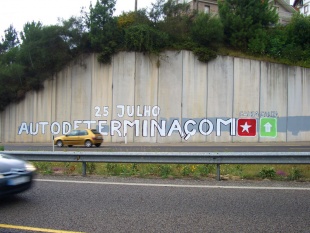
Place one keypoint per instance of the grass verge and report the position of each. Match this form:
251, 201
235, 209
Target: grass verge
193, 171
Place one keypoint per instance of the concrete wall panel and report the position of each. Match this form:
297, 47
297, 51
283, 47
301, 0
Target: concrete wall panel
44, 106
220, 93
273, 97
170, 94
146, 92
123, 94
81, 92
298, 121
22, 116
63, 92
28, 115
10, 127
101, 109
246, 91
194, 96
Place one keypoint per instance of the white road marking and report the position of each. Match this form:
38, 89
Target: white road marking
177, 185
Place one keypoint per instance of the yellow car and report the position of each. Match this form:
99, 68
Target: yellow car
86, 137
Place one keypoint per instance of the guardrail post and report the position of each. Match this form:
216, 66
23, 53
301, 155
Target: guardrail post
218, 172
53, 144
83, 168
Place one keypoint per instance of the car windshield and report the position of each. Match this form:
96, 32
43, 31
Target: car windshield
83, 132
73, 133
3, 156
95, 131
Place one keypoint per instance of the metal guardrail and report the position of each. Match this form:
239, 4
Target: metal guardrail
217, 158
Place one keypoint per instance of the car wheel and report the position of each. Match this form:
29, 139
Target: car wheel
69, 145
98, 144
59, 143
88, 143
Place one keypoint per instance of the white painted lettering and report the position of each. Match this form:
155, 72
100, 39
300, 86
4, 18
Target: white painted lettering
105, 111
139, 114
122, 108
155, 111
189, 133
231, 121
209, 126
114, 127
147, 111
175, 126
66, 127
161, 129
135, 123
23, 127
57, 125
43, 124
97, 113
130, 111
34, 132
76, 124
88, 123
144, 128
101, 126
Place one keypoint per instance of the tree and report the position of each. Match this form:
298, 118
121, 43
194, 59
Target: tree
157, 11
143, 38
243, 18
104, 34
207, 30
176, 21
11, 71
299, 30
297, 48
132, 18
75, 34
9, 47
10, 40
44, 52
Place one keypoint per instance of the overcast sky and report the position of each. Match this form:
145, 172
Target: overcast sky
19, 12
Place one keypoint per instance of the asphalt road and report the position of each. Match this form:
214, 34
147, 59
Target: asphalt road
94, 204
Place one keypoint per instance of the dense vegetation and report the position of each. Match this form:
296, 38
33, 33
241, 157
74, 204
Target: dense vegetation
247, 27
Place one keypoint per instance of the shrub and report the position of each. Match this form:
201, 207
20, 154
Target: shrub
186, 170
143, 38
267, 173
295, 174
257, 44
111, 168
43, 167
299, 30
206, 169
91, 168
207, 30
134, 169
205, 54
165, 170
293, 53
276, 41
131, 18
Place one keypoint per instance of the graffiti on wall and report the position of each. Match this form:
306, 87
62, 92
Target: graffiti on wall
146, 122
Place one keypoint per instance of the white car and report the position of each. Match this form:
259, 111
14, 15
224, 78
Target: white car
16, 175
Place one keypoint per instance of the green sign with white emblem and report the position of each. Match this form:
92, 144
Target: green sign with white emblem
268, 127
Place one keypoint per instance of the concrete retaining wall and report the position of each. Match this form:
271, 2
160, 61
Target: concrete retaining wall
168, 98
